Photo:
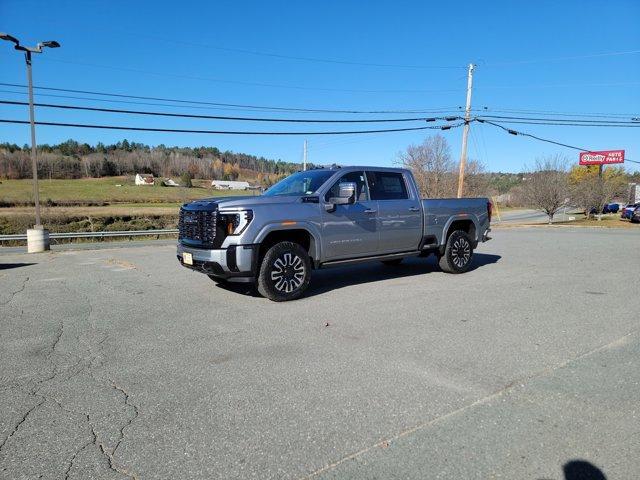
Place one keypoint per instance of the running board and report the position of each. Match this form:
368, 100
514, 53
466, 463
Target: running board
389, 256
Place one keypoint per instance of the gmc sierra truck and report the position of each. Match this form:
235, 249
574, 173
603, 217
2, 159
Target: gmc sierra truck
324, 217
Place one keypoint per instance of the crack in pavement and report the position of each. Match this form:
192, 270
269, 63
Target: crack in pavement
519, 382
109, 456
136, 412
87, 358
22, 420
13, 294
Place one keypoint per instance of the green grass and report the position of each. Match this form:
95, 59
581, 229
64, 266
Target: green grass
102, 191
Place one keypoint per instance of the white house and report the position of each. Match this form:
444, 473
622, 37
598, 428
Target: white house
144, 179
229, 185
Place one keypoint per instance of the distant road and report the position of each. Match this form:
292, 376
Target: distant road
528, 216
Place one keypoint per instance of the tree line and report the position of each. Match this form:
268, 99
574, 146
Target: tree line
72, 159
549, 185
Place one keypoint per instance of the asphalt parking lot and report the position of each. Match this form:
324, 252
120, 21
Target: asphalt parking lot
118, 363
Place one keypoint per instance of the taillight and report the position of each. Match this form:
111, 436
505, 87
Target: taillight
489, 210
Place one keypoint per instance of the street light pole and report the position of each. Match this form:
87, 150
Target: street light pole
37, 237
34, 160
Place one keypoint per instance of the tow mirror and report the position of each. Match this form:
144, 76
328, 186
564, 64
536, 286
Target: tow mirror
346, 194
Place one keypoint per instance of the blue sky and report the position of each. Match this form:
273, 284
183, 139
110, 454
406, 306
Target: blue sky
525, 52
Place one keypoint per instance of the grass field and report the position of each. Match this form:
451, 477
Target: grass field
97, 204
102, 191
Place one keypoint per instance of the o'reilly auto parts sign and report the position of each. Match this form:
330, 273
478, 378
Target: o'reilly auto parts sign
602, 158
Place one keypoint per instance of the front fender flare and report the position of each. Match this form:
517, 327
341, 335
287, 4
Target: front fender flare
314, 232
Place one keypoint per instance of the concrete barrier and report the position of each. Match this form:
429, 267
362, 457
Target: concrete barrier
37, 240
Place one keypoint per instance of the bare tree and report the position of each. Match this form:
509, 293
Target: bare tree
432, 166
546, 187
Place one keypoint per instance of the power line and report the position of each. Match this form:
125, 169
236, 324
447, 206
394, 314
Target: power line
241, 82
559, 59
230, 132
524, 134
614, 122
561, 85
218, 117
557, 113
572, 124
200, 102
294, 57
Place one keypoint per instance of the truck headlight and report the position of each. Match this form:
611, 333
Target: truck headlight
235, 223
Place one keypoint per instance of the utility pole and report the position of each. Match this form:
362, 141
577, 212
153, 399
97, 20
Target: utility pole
304, 156
465, 131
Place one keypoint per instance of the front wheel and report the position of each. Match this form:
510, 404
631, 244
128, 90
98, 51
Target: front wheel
457, 253
285, 272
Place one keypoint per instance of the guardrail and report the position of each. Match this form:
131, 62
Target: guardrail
121, 233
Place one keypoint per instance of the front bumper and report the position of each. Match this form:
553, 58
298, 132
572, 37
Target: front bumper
234, 263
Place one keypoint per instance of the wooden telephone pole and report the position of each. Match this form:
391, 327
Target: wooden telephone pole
465, 131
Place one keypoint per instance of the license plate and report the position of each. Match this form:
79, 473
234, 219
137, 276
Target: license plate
187, 258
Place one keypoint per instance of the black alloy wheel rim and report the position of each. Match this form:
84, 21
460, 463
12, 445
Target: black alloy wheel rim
460, 252
287, 272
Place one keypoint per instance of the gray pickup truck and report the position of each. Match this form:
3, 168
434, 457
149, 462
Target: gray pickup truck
323, 217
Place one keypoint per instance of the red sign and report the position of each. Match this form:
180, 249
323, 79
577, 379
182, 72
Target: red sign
602, 158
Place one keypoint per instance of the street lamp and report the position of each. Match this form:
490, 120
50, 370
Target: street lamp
38, 238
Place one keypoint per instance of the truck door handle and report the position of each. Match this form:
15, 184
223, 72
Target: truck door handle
370, 210
414, 209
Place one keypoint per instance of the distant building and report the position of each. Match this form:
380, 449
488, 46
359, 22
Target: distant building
144, 179
634, 193
230, 185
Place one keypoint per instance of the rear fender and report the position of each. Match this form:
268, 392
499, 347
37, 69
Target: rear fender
461, 216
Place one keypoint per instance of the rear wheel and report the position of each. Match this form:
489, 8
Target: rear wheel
457, 253
392, 263
285, 272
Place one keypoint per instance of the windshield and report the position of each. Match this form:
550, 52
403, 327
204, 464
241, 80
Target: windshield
301, 183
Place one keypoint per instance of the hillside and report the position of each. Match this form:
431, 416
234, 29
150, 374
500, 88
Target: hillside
71, 160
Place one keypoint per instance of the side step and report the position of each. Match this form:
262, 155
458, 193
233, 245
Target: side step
389, 256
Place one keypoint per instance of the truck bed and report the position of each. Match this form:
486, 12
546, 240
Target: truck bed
440, 213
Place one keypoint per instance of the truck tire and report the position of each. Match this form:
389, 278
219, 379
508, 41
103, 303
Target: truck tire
392, 263
457, 253
285, 272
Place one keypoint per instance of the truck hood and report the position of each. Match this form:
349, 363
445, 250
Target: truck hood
236, 201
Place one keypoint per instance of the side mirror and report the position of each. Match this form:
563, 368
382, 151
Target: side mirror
346, 194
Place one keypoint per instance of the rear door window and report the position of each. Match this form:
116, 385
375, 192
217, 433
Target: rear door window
387, 186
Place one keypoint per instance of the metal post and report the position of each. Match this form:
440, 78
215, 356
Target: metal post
465, 131
34, 160
304, 162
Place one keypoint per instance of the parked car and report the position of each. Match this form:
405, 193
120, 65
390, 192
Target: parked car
635, 216
627, 211
607, 208
327, 217
611, 208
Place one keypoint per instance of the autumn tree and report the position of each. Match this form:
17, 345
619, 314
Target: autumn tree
545, 187
591, 191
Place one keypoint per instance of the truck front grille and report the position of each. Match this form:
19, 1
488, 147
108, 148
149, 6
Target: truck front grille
197, 227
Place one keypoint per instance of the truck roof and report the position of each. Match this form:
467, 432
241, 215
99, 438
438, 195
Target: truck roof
363, 167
